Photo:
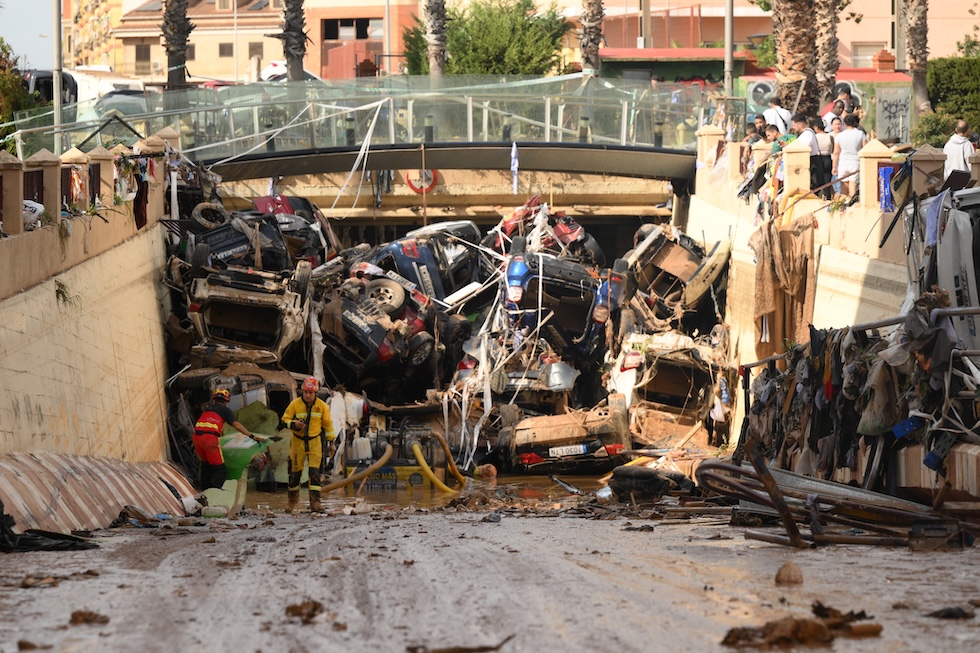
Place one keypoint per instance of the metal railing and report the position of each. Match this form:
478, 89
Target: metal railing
229, 121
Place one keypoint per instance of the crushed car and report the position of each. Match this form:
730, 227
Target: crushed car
241, 293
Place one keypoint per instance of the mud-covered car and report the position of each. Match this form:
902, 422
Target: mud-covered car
567, 303
680, 282
242, 313
307, 232
381, 338
442, 260
578, 442
247, 240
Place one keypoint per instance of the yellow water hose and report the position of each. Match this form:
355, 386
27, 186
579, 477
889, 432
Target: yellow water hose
362, 474
449, 458
427, 471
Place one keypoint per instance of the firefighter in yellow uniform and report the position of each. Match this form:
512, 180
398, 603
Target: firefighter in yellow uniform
308, 417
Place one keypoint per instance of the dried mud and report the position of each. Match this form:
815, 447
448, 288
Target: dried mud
408, 580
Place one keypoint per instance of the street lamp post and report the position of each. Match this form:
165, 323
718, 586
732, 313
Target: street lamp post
56, 76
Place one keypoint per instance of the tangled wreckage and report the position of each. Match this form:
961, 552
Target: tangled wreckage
520, 345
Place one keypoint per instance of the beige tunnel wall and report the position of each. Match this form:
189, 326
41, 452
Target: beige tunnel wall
82, 372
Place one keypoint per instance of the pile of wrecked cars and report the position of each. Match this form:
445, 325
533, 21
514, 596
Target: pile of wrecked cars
520, 346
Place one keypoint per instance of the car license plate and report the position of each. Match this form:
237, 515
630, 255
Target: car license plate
570, 450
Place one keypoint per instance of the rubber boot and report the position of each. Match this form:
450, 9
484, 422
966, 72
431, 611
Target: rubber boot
292, 498
315, 501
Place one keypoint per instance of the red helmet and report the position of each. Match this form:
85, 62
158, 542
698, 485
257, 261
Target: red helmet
311, 384
222, 394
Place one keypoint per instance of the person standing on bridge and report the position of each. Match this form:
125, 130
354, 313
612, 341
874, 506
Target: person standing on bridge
308, 417
207, 433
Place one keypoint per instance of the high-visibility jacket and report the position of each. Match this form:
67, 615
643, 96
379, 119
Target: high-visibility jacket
212, 420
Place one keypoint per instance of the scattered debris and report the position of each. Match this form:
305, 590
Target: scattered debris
789, 574
794, 631
459, 649
87, 617
954, 612
307, 611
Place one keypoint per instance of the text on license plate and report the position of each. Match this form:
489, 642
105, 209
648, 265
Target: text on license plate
569, 450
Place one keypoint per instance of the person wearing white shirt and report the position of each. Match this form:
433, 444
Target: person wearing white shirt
808, 137
958, 149
777, 115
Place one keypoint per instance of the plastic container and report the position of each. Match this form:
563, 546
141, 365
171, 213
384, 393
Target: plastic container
214, 511
362, 449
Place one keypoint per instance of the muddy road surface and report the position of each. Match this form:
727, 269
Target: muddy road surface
405, 580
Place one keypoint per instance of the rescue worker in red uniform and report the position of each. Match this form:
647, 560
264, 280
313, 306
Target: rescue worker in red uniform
308, 417
208, 429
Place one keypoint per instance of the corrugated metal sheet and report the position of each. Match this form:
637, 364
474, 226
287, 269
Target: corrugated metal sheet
63, 493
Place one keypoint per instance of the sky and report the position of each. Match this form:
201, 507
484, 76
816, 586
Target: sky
25, 25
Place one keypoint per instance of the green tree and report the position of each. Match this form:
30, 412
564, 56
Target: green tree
13, 93
970, 45
500, 37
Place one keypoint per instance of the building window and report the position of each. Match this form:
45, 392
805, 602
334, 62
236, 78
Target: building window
224, 5
143, 59
862, 53
255, 50
225, 50
276, 4
190, 52
351, 29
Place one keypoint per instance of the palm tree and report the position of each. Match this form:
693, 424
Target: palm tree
293, 38
434, 17
591, 19
177, 30
795, 34
827, 16
917, 38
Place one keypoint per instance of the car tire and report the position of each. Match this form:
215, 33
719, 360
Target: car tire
420, 348
388, 294
198, 255
457, 329
210, 215
301, 279
593, 251
626, 326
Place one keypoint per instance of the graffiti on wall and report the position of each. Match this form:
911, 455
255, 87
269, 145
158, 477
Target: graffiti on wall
894, 114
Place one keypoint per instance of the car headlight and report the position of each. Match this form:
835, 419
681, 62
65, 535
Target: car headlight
515, 294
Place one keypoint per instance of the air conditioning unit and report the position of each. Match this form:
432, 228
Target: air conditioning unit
757, 96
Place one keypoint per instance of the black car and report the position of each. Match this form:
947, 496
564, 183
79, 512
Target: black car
381, 339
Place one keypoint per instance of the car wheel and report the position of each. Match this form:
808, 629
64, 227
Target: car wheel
593, 251
456, 330
388, 294
420, 348
210, 215
301, 279
198, 255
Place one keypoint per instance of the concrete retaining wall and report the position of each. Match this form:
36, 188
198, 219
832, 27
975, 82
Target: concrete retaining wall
82, 358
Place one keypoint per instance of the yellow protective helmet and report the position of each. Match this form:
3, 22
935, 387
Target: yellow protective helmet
222, 394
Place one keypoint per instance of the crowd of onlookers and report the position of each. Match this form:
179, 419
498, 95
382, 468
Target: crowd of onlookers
835, 138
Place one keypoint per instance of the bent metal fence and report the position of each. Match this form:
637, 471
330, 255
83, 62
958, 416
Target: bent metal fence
230, 121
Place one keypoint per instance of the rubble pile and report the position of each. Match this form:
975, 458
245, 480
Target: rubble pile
519, 345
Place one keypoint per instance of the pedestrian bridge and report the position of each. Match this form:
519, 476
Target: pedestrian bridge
571, 123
